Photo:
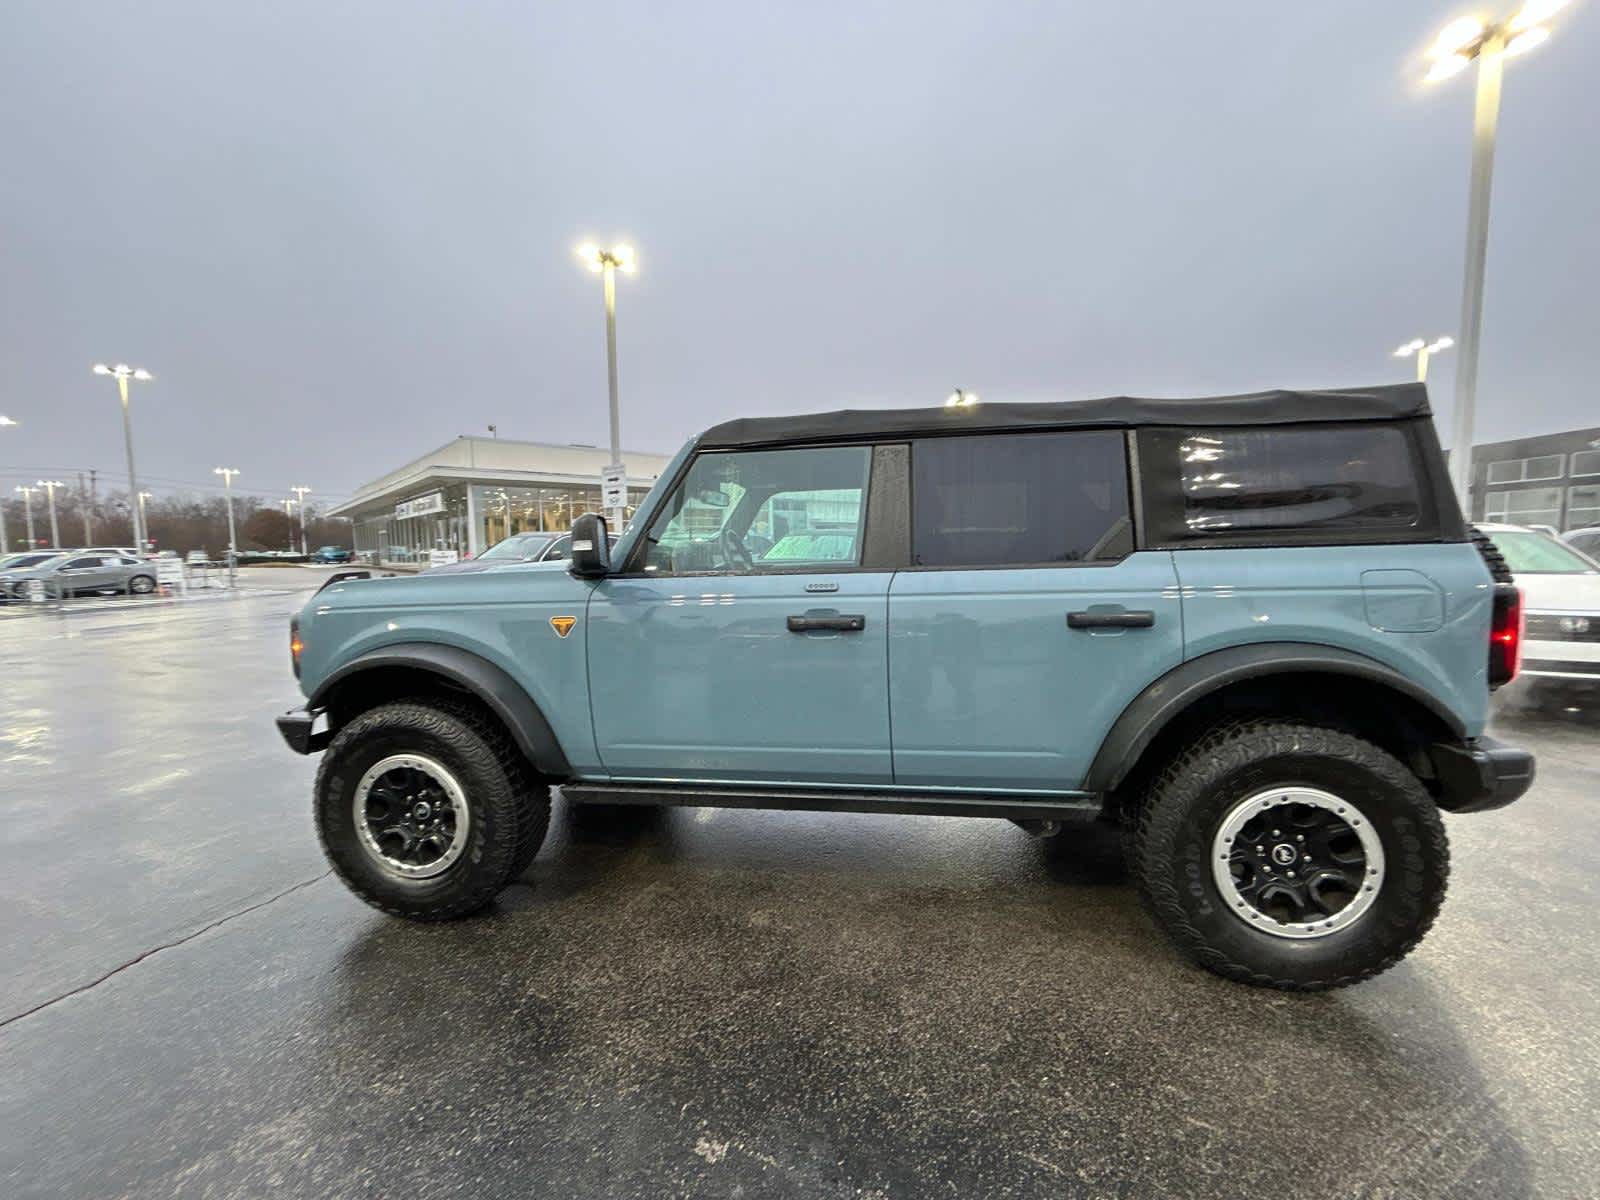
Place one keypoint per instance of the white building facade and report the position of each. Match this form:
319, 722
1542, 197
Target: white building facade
472, 492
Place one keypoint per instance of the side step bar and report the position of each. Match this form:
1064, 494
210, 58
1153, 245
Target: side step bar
934, 804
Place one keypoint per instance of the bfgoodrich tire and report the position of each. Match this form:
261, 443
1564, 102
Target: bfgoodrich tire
1289, 856
426, 810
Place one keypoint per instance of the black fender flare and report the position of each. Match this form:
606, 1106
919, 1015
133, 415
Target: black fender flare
1148, 713
472, 673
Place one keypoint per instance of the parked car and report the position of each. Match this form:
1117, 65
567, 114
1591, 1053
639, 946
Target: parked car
1561, 605
1586, 541
73, 574
1253, 631
519, 547
333, 554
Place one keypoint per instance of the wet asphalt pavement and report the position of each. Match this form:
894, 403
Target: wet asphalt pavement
714, 1003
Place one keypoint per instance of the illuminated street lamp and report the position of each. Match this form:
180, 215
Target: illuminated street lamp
122, 372
1459, 43
227, 474
5, 420
27, 507
1424, 351
300, 498
50, 486
608, 263
961, 399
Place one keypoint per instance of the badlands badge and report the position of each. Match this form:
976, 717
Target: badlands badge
563, 625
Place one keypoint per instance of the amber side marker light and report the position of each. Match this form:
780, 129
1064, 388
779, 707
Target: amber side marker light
295, 645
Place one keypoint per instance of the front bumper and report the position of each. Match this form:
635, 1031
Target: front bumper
296, 725
1481, 774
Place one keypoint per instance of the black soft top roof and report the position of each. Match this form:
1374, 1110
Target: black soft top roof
1389, 402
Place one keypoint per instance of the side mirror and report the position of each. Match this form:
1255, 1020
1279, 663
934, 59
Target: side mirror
591, 551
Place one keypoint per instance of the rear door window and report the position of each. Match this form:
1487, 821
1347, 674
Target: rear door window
1287, 484
1015, 500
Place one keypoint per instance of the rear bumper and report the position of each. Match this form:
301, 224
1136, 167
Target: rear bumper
1481, 774
296, 726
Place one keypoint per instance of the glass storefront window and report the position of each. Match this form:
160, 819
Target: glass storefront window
498, 511
503, 511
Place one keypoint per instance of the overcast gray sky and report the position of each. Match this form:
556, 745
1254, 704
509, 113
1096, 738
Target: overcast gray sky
342, 233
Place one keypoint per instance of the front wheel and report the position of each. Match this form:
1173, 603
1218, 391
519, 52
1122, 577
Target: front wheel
1290, 856
426, 809
141, 585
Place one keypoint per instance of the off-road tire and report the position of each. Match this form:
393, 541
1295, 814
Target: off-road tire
510, 805
1170, 849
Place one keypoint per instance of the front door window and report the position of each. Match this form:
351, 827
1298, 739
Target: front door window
760, 511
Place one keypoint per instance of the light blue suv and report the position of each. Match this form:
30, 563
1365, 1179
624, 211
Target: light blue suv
1254, 631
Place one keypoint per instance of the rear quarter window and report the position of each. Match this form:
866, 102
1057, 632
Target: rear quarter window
1285, 485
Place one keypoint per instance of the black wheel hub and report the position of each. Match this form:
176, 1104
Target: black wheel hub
1297, 863
410, 817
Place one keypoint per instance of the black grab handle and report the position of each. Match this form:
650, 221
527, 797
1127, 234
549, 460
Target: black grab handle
848, 624
1128, 619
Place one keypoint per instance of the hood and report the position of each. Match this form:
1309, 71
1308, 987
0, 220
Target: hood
482, 581
471, 566
1559, 593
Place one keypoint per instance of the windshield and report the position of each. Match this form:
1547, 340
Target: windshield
1535, 554
519, 546
21, 562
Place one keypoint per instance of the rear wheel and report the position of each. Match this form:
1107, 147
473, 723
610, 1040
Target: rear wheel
426, 809
1290, 856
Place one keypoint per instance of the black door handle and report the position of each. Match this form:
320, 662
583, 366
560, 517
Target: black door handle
845, 624
1126, 619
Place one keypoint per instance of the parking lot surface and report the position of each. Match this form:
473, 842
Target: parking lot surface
714, 1003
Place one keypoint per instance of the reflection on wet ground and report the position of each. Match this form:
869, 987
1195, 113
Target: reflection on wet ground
723, 1003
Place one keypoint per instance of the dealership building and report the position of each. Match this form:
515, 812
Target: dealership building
471, 492
1552, 479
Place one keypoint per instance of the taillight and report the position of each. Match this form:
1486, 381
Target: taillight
1505, 635
295, 645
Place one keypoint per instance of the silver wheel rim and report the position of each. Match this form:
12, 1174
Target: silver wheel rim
411, 816
1284, 857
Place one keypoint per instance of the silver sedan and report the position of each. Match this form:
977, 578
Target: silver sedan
75, 572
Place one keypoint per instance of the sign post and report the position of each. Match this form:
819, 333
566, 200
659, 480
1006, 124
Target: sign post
614, 494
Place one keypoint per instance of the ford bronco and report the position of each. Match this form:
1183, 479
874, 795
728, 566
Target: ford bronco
1253, 631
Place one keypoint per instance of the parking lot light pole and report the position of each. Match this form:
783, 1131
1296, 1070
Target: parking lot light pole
227, 474
50, 486
122, 372
300, 498
5, 542
1424, 352
607, 263
1459, 44
27, 508
288, 511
